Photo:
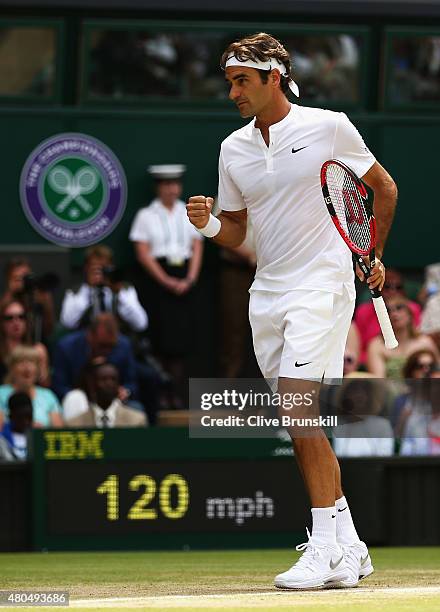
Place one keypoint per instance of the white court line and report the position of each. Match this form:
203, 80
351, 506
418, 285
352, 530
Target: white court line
235, 598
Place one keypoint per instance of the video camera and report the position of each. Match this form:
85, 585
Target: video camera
113, 275
43, 282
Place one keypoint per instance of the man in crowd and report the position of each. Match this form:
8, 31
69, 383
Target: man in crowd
105, 408
100, 339
103, 290
13, 436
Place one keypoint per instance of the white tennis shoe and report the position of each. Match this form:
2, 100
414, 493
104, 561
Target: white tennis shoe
358, 563
318, 567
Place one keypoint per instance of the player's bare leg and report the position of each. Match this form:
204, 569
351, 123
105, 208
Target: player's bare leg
333, 533
338, 481
315, 457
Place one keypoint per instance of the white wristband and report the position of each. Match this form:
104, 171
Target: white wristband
212, 228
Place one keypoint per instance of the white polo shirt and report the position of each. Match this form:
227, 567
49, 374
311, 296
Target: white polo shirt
169, 232
296, 243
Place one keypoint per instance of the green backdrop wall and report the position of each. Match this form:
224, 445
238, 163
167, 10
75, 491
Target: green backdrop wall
406, 146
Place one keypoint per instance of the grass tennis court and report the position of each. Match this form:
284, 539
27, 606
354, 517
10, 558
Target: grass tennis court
405, 579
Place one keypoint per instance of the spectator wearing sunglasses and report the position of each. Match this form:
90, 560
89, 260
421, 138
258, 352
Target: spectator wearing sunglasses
419, 365
365, 315
15, 329
417, 368
387, 363
421, 428
35, 292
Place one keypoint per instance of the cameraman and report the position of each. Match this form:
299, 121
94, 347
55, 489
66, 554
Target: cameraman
102, 291
35, 293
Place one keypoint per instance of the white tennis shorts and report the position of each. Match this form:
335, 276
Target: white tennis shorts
300, 334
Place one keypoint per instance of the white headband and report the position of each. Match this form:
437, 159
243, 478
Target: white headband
270, 64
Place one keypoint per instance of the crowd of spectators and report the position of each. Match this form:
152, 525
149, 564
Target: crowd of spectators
415, 69
407, 418
117, 356
118, 352
134, 64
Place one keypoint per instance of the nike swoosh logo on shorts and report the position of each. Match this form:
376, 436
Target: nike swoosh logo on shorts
335, 565
300, 365
342, 509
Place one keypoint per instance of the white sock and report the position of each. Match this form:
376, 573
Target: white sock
324, 526
345, 530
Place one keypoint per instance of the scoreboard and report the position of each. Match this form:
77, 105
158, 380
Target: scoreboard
159, 489
156, 488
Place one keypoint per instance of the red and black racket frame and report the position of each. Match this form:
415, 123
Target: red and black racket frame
367, 198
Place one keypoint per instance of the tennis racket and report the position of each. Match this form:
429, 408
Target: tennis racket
351, 209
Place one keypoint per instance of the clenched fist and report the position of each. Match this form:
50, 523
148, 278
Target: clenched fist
198, 210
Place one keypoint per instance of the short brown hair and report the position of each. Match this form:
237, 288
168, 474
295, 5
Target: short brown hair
100, 251
106, 321
261, 47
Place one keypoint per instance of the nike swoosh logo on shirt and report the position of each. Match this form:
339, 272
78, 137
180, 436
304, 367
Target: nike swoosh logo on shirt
300, 149
335, 565
342, 509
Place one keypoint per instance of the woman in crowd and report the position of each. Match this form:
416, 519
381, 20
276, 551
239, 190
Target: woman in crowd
365, 315
387, 363
420, 421
15, 330
169, 251
34, 293
23, 363
362, 431
416, 371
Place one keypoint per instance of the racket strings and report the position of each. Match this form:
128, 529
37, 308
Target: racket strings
349, 207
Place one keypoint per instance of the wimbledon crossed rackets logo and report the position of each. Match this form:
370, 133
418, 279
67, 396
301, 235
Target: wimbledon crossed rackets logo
73, 190
82, 190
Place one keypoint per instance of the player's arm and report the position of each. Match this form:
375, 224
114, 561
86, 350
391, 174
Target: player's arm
385, 199
349, 147
233, 223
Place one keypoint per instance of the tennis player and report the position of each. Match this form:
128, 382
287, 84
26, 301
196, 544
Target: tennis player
302, 298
